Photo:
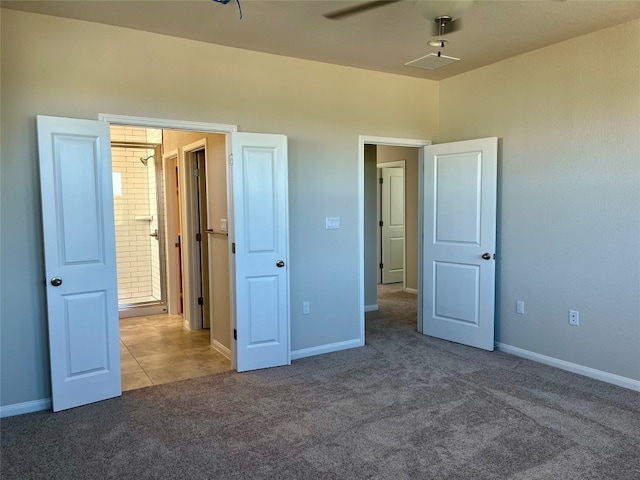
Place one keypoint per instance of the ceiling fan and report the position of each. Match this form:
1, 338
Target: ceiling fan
444, 14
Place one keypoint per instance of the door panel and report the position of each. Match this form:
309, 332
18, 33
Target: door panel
392, 213
459, 228
80, 264
261, 239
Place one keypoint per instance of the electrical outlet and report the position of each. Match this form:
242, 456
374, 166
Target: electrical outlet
574, 318
520, 307
306, 308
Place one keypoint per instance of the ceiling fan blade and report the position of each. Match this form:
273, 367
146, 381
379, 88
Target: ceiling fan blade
452, 26
363, 7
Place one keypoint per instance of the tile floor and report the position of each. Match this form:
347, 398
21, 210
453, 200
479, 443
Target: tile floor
158, 349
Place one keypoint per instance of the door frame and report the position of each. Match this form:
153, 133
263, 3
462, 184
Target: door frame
200, 127
193, 278
380, 166
169, 161
394, 142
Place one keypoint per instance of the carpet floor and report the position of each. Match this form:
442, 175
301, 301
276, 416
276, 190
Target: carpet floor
404, 406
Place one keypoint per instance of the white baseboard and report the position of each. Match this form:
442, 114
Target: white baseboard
411, 290
332, 347
221, 349
618, 380
25, 407
371, 308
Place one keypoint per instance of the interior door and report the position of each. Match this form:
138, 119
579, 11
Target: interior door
80, 260
260, 235
459, 241
392, 213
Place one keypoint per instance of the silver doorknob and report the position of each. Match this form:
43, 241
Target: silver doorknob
56, 281
486, 256
279, 264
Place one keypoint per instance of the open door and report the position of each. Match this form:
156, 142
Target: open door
460, 241
80, 260
260, 237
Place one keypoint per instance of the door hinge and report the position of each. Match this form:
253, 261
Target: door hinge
381, 180
233, 248
196, 172
198, 237
235, 334
381, 223
200, 301
231, 160
381, 265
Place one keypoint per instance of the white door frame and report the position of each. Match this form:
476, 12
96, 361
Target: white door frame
394, 142
169, 160
396, 164
201, 127
188, 225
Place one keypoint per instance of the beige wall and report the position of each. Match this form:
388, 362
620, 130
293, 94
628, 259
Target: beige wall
410, 155
568, 118
69, 68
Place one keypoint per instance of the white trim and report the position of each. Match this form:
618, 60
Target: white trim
397, 142
412, 291
329, 348
221, 349
25, 407
167, 123
371, 308
572, 367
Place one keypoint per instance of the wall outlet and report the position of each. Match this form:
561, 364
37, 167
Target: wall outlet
520, 307
574, 317
306, 308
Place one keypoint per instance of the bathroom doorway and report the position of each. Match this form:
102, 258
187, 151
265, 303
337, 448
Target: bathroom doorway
139, 221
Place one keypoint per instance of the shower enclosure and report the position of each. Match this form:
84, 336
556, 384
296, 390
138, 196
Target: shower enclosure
138, 212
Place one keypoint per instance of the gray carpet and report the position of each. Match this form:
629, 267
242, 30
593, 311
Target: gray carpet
403, 406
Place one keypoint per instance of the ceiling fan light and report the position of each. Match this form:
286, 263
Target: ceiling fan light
439, 8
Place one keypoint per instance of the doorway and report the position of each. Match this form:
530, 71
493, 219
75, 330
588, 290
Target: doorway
392, 251
158, 348
386, 150
139, 221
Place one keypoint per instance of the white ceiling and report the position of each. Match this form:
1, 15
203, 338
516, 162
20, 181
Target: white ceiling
383, 39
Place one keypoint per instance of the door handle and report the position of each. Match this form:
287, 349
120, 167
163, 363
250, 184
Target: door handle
56, 281
486, 256
154, 234
279, 264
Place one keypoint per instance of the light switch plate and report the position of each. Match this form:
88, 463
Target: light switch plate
223, 224
332, 223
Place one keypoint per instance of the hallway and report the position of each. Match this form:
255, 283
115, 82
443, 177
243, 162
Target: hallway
157, 349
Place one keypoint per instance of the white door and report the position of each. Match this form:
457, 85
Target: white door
459, 241
80, 260
392, 213
261, 250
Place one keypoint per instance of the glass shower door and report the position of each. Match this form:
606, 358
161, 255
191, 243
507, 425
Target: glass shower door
137, 175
